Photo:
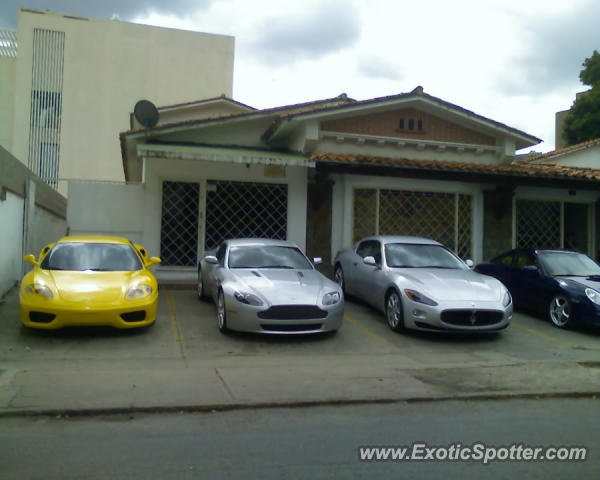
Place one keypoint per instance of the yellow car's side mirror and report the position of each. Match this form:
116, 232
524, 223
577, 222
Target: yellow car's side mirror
154, 261
29, 258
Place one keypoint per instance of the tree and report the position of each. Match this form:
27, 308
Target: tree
582, 123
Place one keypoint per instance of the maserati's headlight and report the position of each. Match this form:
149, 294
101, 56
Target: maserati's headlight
419, 297
248, 298
507, 299
331, 298
593, 295
40, 289
138, 291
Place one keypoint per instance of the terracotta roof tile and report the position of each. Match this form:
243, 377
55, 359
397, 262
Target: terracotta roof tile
543, 170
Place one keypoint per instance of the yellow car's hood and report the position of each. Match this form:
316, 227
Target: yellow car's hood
95, 288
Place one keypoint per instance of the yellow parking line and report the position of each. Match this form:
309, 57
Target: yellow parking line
544, 335
175, 324
374, 336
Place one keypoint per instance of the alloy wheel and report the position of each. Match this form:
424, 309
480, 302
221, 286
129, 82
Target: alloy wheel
560, 311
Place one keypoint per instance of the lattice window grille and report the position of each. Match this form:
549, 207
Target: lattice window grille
179, 224
445, 217
245, 210
538, 224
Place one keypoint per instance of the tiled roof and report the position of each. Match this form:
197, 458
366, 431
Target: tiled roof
539, 170
284, 110
561, 151
206, 100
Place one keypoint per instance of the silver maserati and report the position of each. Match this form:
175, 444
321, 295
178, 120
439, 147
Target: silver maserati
269, 286
420, 284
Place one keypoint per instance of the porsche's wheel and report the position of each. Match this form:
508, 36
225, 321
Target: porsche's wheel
393, 311
201, 294
339, 278
221, 314
560, 311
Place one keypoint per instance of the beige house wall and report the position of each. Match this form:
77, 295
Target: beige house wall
108, 66
7, 100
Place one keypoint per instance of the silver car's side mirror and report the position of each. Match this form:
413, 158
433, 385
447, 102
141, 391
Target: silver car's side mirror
211, 259
470, 263
317, 260
370, 261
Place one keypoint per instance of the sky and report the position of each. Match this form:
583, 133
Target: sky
514, 61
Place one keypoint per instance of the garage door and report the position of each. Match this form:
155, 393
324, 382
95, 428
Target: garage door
445, 217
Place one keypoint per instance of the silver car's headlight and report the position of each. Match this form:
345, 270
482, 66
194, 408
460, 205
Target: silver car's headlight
248, 298
331, 298
40, 289
506, 301
593, 295
138, 291
419, 297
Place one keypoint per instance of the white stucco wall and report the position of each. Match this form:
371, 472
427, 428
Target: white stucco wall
47, 228
106, 209
109, 66
11, 239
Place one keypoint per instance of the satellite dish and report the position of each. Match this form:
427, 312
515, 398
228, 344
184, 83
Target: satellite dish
146, 113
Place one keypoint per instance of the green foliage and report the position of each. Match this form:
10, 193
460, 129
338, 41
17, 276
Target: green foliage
590, 75
583, 120
582, 123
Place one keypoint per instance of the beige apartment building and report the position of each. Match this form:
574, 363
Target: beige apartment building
69, 83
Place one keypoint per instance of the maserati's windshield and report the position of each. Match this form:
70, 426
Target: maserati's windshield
411, 255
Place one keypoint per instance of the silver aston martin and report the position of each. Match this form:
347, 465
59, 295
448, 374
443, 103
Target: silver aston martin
269, 286
420, 284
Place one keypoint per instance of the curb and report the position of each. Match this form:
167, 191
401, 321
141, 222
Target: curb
88, 412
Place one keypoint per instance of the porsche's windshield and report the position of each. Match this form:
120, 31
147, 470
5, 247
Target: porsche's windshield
254, 256
411, 255
568, 264
99, 257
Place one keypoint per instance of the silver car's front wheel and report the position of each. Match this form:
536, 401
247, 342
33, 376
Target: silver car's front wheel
393, 311
560, 311
221, 314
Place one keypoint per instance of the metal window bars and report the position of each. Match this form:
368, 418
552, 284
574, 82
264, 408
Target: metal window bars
538, 224
245, 210
445, 217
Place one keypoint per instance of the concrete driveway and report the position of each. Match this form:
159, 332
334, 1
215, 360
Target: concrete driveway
183, 362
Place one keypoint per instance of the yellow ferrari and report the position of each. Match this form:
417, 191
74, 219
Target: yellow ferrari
89, 281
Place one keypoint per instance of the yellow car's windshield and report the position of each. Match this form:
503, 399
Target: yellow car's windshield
99, 257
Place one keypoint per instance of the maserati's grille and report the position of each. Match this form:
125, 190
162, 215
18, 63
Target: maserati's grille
472, 318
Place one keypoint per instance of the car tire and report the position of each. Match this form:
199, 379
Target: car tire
221, 313
559, 311
393, 311
338, 275
201, 294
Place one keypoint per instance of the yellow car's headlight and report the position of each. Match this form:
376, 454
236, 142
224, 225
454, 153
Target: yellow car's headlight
40, 289
138, 291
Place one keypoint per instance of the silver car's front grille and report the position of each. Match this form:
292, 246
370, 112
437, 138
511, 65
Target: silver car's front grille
292, 312
293, 327
472, 318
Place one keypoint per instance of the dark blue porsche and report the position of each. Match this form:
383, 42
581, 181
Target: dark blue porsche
564, 285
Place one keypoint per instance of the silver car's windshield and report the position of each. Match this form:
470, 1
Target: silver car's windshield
254, 256
410, 255
99, 257
568, 264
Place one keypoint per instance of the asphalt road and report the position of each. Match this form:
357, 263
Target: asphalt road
316, 443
